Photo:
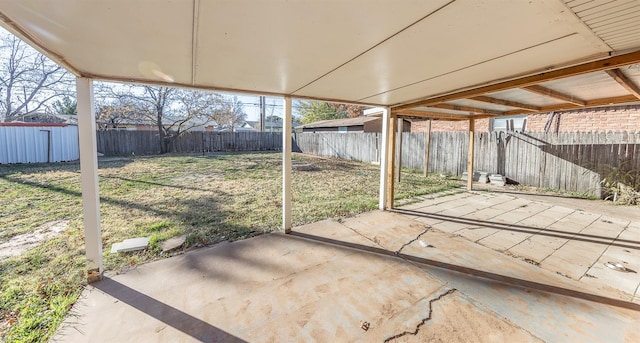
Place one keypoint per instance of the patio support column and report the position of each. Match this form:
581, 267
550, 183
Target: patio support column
384, 145
286, 164
89, 178
400, 125
427, 147
391, 156
470, 155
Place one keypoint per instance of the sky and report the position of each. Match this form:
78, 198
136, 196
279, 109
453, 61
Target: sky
252, 106
251, 102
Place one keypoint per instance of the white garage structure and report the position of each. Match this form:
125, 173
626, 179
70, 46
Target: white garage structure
447, 59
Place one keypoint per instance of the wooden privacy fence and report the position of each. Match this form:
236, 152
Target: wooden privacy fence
121, 142
351, 146
574, 162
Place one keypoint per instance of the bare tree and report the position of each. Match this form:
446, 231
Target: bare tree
29, 81
230, 113
111, 115
173, 111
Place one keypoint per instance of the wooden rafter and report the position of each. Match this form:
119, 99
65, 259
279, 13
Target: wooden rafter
554, 94
438, 115
491, 100
590, 103
558, 107
624, 81
466, 109
584, 68
521, 111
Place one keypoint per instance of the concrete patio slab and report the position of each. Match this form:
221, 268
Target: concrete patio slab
325, 279
568, 241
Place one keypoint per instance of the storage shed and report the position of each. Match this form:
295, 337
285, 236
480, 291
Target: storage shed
38, 143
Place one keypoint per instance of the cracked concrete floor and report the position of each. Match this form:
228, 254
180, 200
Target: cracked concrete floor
562, 238
328, 278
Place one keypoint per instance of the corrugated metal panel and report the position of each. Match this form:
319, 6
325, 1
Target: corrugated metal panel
480, 104
633, 73
590, 86
616, 22
20, 144
525, 97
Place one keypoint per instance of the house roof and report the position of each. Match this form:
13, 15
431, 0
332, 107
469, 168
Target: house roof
439, 58
34, 124
339, 122
41, 117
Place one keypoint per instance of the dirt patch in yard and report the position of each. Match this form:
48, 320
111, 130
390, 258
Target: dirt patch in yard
17, 245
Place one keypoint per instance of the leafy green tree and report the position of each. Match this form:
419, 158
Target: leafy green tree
313, 111
67, 105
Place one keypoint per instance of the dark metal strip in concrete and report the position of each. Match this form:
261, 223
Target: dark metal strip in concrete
476, 272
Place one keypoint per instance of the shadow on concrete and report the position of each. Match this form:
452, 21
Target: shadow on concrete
475, 272
583, 237
502, 191
169, 315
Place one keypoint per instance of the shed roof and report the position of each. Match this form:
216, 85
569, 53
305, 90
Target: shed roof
34, 124
419, 60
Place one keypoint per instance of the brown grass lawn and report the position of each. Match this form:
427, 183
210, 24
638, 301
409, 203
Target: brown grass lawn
210, 199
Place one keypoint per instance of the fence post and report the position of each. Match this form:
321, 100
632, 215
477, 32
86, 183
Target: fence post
470, 155
391, 151
400, 125
427, 147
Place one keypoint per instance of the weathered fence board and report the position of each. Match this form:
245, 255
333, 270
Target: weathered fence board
115, 142
351, 146
566, 161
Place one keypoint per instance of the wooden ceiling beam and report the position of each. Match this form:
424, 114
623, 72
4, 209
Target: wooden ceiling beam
519, 111
589, 103
467, 109
439, 115
544, 91
600, 65
558, 107
624, 81
491, 100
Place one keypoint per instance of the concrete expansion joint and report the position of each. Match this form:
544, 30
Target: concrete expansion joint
424, 320
604, 251
399, 251
373, 240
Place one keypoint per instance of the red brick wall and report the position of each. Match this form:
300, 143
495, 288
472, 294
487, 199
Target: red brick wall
481, 125
614, 118
618, 118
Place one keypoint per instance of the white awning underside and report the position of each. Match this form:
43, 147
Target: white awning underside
405, 54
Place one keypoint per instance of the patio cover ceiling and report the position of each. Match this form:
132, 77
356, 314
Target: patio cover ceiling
449, 59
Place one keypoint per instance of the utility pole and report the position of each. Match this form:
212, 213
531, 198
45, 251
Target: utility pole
263, 108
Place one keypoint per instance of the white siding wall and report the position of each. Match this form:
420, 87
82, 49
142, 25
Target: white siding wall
30, 144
